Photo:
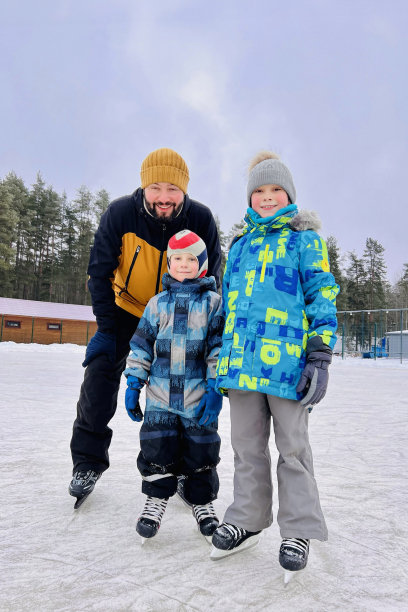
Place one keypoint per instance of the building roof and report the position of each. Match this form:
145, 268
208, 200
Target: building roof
46, 310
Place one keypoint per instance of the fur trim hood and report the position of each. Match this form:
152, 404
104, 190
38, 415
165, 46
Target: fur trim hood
306, 220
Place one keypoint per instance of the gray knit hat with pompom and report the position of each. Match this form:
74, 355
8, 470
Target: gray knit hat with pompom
267, 169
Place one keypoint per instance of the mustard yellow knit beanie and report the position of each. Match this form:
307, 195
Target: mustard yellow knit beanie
164, 166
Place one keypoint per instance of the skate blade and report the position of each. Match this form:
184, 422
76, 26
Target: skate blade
218, 553
287, 576
80, 501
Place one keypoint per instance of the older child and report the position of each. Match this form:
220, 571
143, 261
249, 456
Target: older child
174, 351
279, 301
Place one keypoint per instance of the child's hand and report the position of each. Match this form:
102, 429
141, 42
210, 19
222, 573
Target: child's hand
132, 398
314, 379
210, 405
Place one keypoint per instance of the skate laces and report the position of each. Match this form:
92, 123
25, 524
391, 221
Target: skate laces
204, 511
234, 531
154, 509
82, 476
298, 546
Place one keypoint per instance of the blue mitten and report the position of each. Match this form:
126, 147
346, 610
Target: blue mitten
210, 405
101, 343
315, 378
132, 398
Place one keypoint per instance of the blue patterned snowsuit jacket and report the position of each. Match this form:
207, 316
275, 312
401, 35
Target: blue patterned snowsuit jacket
277, 293
176, 344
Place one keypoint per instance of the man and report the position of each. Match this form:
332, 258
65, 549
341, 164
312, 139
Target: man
127, 262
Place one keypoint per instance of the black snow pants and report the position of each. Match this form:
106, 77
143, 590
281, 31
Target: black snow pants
96, 406
171, 445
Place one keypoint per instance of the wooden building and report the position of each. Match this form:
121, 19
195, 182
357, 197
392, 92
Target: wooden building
45, 322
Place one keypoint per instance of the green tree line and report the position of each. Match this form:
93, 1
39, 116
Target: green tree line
45, 240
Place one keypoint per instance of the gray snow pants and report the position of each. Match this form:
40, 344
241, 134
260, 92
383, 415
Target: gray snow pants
300, 514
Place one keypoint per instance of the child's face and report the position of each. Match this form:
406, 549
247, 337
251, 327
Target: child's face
267, 199
183, 265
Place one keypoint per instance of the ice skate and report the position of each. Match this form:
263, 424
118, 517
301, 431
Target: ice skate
149, 521
207, 520
82, 484
229, 539
293, 554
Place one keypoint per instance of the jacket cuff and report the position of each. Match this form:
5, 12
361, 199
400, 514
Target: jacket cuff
315, 343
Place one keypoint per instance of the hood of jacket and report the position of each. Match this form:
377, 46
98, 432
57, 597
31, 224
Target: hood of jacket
189, 285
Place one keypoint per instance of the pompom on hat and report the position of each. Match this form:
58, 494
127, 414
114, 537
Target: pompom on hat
267, 169
164, 166
187, 241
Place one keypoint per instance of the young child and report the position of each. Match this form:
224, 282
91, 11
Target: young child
279, 300
174, 352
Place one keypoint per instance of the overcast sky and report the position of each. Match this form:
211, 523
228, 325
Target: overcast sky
89, 88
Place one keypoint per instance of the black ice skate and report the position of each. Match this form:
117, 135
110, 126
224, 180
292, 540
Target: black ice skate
82, 484
149, 521
229, 539
293, 554
206, 518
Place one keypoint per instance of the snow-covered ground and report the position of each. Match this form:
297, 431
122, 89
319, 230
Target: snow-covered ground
55, 558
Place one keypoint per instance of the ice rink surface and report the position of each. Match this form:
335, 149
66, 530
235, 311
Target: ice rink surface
56, 559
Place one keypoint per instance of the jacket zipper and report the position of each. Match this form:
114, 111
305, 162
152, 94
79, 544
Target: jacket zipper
124, 290
160, 261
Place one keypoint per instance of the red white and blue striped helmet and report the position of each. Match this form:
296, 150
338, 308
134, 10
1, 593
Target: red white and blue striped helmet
187, 241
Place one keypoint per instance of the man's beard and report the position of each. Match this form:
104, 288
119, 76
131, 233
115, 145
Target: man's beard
163, 216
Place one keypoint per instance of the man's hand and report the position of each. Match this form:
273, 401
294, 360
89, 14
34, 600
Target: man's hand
210, 405
101, 343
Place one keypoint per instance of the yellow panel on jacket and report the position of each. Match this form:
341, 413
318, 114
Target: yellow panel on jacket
138, 276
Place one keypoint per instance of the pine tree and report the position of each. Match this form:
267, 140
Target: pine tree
401, 294
68, 255
334, 259
45, 204
376, 271
402, 287
23, 229
8, 224
100, 204
356, 283
85, 228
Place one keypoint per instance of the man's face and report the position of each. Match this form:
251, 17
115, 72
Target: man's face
163, 200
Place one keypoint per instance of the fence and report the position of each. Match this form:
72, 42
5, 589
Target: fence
373, 333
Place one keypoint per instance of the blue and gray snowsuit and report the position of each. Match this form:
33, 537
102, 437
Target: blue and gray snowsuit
278, 294
175, 350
